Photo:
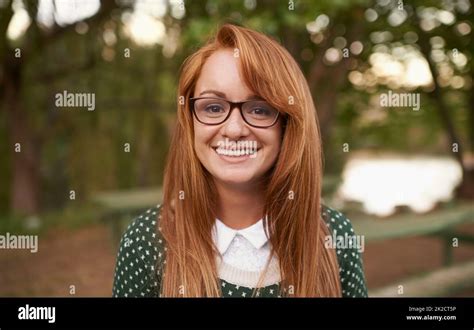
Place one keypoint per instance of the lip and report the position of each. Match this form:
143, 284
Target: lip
233, 159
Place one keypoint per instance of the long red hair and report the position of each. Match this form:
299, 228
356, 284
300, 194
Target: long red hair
293, 189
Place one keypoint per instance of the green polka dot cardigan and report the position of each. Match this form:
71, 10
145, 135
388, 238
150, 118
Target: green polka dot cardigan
142, 249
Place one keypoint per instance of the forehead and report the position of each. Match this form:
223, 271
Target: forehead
221, 72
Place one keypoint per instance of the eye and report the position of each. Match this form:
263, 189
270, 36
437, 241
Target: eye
260, 111
214, 108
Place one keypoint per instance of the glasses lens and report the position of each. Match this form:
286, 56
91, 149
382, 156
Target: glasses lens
259, 113
211, 111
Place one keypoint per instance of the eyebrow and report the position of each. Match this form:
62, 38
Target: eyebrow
223, 95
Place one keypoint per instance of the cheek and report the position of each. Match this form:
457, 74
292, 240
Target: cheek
272, 143
274, 139
202, 137
275, 149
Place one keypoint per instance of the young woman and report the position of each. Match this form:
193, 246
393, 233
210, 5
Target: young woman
242, 213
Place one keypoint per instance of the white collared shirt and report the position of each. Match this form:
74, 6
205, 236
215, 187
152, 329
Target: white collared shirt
246, 249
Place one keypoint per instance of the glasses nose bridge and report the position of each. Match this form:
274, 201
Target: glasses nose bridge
233, 106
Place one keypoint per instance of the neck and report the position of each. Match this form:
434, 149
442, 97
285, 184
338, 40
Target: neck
239, 207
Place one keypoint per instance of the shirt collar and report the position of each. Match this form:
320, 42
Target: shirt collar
223, 235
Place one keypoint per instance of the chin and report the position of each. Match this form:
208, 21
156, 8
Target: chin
236, 179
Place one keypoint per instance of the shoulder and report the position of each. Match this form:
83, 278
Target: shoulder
143, 234
342, 236
144, 226
349, 248
336, 221
137, 271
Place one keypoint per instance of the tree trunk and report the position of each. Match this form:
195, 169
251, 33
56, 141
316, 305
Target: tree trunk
466, 188
25, 157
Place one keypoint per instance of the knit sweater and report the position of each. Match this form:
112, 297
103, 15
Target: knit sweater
141, 258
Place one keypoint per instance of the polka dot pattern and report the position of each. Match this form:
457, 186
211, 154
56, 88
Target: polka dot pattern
142, 248
351, 269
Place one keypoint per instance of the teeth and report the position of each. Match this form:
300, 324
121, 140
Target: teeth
235, 153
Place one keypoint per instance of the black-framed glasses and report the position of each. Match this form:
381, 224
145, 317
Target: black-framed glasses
215, 111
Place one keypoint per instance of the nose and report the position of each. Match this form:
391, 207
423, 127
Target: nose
235, 126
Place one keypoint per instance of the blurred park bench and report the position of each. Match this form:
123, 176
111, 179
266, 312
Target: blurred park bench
120, 207
440, 224
439, 283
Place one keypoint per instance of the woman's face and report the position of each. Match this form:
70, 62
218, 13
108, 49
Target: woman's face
216, 145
